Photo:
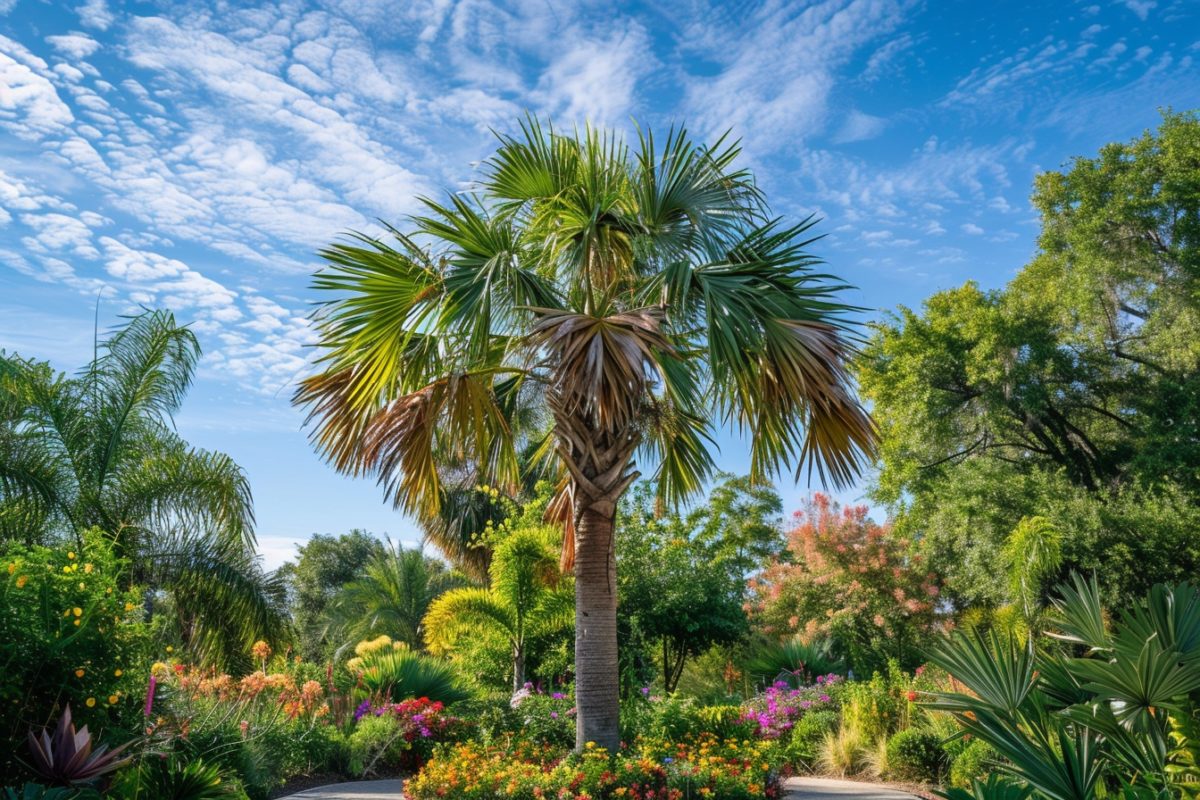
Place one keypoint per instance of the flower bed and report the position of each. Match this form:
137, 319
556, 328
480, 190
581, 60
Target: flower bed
701, 767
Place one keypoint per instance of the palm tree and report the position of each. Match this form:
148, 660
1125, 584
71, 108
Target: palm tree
391, 597
99, 450
641, 297
526, 598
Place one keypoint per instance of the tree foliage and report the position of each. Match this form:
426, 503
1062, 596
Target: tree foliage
848, 578
632, 298
1072, 393
681, 579
99, 449
323, 566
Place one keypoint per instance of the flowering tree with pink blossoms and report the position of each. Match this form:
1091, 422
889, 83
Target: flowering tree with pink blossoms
847, 578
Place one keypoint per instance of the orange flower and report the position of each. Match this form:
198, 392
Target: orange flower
21, 581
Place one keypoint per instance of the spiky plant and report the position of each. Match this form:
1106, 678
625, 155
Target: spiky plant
639, 298
69, 756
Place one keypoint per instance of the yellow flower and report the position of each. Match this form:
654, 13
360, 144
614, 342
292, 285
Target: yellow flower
21, 581
76, 623
91, 701
128, 606
77, 611
67, 569
170, 649
12, 567
71, 555
79, 673
88, 568
117, 672
112, 699
82, 585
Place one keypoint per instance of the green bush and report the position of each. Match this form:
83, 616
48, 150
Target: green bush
973, 761
156, 778
916, 755
401, 674
808, 737
69, 633
377, 746
547, 719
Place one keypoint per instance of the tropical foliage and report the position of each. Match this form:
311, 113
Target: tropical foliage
627, 294
1103, 702
98, 449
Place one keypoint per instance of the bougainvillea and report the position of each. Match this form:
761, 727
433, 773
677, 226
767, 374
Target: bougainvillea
847, 577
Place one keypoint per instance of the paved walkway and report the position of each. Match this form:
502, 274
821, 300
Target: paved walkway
831, 789
797, 789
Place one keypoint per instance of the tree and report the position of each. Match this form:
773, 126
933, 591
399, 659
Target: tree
528, 595
848, 578
391, 596
632, 296
99, 450
679, 588
323, 567
1073, 393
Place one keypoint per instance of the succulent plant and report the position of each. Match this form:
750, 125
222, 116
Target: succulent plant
69, 757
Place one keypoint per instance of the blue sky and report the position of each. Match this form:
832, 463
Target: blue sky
195, 155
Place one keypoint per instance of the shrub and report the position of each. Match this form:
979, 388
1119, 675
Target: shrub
69, 633
156, 778
873, 709
775, 712
400, 674
377, 746
973, 761
916, 755
808, 737
547, 719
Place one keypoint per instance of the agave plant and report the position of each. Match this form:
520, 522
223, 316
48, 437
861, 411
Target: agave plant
1101, 703
69, 756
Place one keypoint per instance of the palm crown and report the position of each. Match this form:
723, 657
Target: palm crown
629, 300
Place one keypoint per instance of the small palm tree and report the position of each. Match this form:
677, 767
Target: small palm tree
99, 449
526, 598
391, 597
638, 298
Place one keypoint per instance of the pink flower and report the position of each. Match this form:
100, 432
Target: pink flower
150, 695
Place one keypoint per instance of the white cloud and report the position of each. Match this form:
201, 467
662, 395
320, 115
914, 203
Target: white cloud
971, 229
95, 14
595, 80
858, 127
29, 104
1141, 8
76, 45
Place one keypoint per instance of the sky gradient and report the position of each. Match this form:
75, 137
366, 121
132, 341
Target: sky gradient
194, 156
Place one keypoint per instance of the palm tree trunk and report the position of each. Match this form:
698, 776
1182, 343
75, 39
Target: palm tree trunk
597, 689
518, 666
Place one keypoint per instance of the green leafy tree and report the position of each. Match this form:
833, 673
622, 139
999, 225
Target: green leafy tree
680, 583
1074, 390
634, 298
391, 596
528, 596
323, 567
98, 449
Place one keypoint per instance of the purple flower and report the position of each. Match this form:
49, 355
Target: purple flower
553, 715
645, 691
362, 710
824, 698
150, 695
558, 696
668, 760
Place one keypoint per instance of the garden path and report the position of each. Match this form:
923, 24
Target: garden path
797, 789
